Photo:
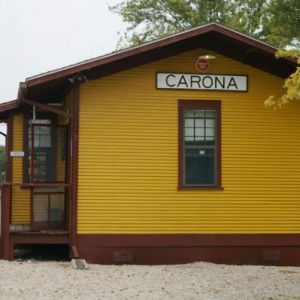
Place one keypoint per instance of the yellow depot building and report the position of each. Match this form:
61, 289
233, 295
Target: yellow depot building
161, 153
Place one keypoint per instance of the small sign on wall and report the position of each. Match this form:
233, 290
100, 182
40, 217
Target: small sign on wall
202, 65
17, 153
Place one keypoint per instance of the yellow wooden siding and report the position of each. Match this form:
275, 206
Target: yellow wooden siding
128, 156
20, 197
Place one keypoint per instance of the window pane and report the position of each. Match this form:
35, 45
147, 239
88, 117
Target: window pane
189, 132
189, 122
42, 136
199, 122
200, 166
210, 114
42, 141
57, 203
45, 141
210, 122
40, 208
189, 113
199, 113
200, 132
210, 132
42, 130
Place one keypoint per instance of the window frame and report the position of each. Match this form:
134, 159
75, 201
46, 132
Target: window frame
201, 105
30, 150
35, 131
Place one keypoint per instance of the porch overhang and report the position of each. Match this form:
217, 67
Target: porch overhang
6, 108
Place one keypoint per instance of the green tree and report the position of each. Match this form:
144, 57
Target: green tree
273, 21
291, 84
281, 26
151, 19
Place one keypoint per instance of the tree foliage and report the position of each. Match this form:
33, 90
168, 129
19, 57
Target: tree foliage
152, 19
291, 84
282, 24
273, 21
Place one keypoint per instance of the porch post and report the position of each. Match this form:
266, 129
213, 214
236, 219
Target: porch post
5, 199
6, 193
75, 146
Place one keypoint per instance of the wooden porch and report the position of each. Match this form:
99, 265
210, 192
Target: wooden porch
21, 234
42, 237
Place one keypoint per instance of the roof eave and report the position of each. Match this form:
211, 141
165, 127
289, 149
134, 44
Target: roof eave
7, 107
117, 61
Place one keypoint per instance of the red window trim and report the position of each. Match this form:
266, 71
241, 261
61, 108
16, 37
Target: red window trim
199, 104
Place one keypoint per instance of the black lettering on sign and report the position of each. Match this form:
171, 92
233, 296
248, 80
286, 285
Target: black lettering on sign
168, 80
232, 83
182, 81
207, 82
219, 83
195, 80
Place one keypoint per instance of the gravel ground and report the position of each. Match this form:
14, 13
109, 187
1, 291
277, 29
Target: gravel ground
58, 280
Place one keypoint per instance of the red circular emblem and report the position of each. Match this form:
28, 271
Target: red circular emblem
202, 65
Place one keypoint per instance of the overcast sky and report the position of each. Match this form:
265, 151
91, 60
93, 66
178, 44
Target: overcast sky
42, 35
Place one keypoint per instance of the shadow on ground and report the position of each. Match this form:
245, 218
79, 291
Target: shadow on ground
42, 252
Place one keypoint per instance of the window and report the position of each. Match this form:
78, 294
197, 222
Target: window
46, 142
48, 208
41, 155
199, 143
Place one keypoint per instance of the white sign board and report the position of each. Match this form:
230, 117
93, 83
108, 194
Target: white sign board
232, 83
17, 153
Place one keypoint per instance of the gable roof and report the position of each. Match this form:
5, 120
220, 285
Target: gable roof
214, 37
